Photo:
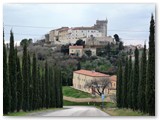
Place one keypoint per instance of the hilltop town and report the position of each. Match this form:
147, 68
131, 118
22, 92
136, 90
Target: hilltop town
77, 65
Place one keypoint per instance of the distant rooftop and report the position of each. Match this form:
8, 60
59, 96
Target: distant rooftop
91, 73
83, 28
113, 78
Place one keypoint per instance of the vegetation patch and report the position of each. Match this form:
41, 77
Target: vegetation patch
71, 92
96, 104
123, 112
22, 113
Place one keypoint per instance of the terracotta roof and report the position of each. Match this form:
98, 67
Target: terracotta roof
62, 28
91, 73
75, 47
113, 78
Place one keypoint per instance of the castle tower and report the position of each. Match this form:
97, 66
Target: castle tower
101, 25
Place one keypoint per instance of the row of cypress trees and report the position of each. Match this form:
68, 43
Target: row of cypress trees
136, 82
26, 85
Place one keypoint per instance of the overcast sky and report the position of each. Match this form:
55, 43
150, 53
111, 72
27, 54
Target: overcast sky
130, 21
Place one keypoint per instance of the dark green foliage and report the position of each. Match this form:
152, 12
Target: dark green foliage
52, 88
38, 88
30, 84
6, 83
58, 88
136, 80
26, 41
124, 84
19, 86
65, 49
116, 37
119, 85
43, 90
47, 85
78, 66
142, 82
29, 87
108, 49
129, 84
12, 73
34, 80
121, 47
150, 85
80, 42
25, 79
88, 53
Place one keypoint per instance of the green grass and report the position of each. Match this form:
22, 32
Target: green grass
71, 92
17, 114
22, 113
97, 104
123, 112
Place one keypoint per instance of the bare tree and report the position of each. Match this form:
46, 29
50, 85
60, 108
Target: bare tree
98, 86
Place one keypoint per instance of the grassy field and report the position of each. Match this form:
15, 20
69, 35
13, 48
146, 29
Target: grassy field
22, 113
71, 92
123, 112
97, 104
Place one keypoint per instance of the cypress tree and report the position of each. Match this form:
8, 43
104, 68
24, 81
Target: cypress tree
19, 86
150, 84
47, 85
25, 79
78, 66
142, 82
131, 90
59, 95
12, 73
52, 88
129, 84
34, 79
56, 86
6, 83
136, 80
30, 86
60, 90
124, 84
38, 87
119, 85
43, 89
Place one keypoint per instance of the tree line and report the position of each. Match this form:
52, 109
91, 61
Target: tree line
136, 79
26, 84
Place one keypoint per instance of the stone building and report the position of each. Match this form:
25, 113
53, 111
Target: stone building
98, 41
81, 77
76, 50
65, 35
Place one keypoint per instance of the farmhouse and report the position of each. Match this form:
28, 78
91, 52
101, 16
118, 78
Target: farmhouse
81, 77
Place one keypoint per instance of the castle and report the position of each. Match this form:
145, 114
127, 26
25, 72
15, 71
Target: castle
65, 35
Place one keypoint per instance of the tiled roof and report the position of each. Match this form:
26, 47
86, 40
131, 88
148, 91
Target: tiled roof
113, 78
75, 47
83, 28
91, 73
